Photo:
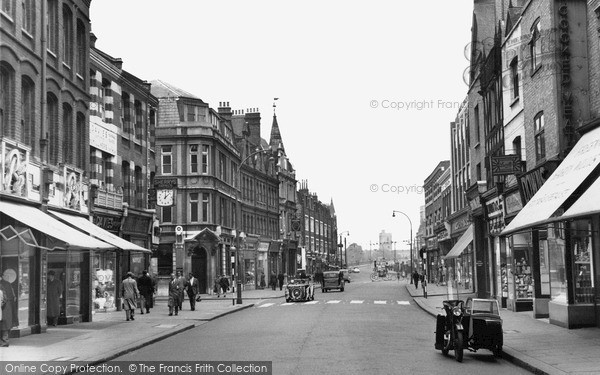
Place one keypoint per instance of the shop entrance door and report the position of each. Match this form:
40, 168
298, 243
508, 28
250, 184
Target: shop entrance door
200, 267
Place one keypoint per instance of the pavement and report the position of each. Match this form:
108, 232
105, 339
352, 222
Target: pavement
530, 343
533, 344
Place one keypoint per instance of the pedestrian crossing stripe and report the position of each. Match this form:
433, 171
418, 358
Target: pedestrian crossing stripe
266, 305
287, 304
311, 302
334, 301
380, 302
355, 301
403, 303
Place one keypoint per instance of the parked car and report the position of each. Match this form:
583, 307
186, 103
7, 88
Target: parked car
299, 289
332, 280
346, 275
356, 270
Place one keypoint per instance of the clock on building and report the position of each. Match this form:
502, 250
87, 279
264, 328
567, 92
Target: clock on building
164, 197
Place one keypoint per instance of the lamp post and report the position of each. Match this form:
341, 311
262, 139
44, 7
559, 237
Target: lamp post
411, 240
238, 217
344, 233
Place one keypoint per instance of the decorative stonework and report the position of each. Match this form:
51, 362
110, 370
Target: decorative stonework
14, 163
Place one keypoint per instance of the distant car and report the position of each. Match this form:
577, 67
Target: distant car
356, 270
299, 289
346, 275
332, 280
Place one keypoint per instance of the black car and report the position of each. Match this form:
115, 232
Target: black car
299, 289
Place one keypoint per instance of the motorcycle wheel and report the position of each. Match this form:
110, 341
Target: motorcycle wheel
446, 344
458, 346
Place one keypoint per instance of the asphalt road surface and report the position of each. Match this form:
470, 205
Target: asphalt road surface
370, 328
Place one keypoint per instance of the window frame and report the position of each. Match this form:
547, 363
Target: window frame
535, 46
539, 137
163, 155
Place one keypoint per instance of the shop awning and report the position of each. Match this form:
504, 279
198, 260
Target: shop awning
95, 231
575, 168
587, 204
461, 244
45, 223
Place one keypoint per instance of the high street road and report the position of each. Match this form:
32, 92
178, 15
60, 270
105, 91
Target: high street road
370, 328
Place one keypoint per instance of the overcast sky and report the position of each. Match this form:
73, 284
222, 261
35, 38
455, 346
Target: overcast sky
367, 90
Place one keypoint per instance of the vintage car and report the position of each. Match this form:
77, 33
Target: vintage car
332, 280
478, 326
299, 289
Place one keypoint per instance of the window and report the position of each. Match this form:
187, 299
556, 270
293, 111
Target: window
205, 207
53, 128
52, 15
67, 46
222, 166
535, 46
108, 172
194, 159
205, 151
126, 177
67, 123
139, 125
166, 155
8, 7
80, 142
81, 48
28, 21
540, 141
28, 112
517, 146
139, 187
191, 113
126, 114
477, 129
7, 95
478, 171
194, 207
167, 214
514, 77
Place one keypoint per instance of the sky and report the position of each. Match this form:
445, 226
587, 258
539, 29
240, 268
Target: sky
367, 89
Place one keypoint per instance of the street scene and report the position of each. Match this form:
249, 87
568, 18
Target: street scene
326, 187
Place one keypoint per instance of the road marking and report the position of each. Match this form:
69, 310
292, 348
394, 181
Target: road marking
311, 302
403, 303
355, 301
266, 305
380, 302
334, 301
287, 304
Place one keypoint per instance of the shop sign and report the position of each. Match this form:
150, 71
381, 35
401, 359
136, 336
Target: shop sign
165, 183
460, 224
103, 136
137, 224
505, 165
512, 203
531, 182
109, 223
443, 235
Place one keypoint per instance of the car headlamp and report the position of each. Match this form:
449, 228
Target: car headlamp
457, 311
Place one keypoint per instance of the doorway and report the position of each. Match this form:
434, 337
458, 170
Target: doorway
200, 267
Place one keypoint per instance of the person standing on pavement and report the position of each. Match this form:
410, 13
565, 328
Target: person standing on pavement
224, 283
280, 280
146, 291
182, 281
217, 286
130, 295
415, 277
193, 288
53, 295
7, 310
273, 280
173, 295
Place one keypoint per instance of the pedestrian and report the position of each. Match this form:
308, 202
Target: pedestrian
7, 309
146, 291
273, 280
262, 280
415, 277
182, 281
217, 286
54, 291
224, 283
173, 295
130, 295
193, 288
280, 279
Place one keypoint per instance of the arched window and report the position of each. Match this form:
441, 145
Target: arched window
28, 112
540, 139
80, 141
52, 14
8, 8
535, 45
67, 123
81, 48
7, 94
53, 127
67, 45
28, 22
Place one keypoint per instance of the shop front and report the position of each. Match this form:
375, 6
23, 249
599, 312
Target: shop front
458, 263
565, 244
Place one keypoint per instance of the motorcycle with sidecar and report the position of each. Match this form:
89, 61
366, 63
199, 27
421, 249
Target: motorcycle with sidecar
472, 325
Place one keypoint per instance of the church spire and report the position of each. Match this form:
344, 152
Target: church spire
276, 140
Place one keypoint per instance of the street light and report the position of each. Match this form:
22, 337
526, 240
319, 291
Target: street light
345, 249
411, 239
238, 217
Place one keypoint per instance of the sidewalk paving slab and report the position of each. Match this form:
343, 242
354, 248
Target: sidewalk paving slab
533, 344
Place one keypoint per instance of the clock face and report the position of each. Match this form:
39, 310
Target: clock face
164, 197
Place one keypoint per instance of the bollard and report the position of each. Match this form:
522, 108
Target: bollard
233, 301
424, 285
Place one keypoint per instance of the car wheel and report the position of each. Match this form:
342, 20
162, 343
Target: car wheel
287, 300
342, 289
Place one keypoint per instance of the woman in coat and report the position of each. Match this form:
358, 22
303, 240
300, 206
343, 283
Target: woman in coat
54, 294
7, 310
130, 294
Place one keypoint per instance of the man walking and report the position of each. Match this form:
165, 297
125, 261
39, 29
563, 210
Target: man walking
173, 295
7, 309
224, 283
130, 294
182, 281
416, 277
193, 288
146, 291
280, 279
273, 280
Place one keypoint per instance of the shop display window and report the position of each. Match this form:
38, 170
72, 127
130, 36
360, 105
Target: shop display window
523, 273
556, 255
581, 239
544, 263
103, 281
68, 265
16, 260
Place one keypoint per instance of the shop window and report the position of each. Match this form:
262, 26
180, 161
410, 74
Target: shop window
103, 281
556, 255
581, 239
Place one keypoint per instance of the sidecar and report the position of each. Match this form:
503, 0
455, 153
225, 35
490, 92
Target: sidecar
482, 325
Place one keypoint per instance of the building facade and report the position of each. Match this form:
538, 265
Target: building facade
437, 204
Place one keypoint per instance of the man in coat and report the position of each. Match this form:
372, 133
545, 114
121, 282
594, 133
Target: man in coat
173, 295
54, 294
280, 280
146, 291
273, 280
224, 283
192, 288
130, 295
182, 281
7, 310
